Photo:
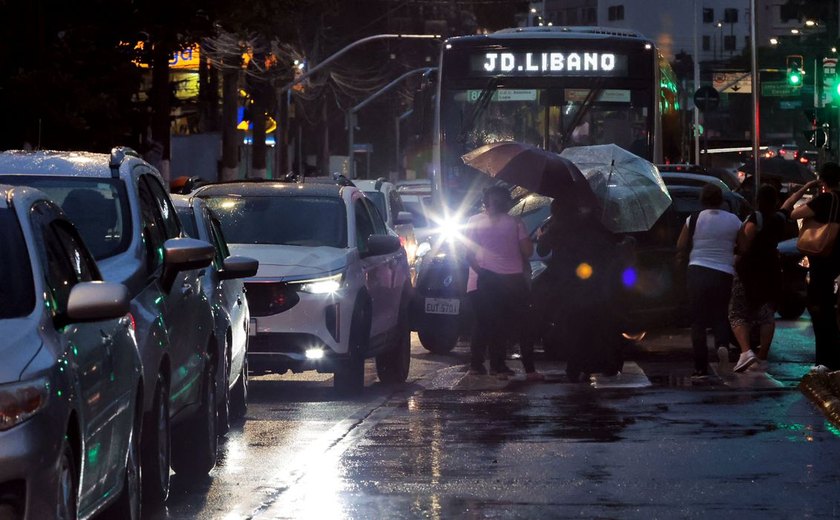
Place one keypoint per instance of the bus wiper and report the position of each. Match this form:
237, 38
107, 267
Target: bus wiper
584, 108
480, 105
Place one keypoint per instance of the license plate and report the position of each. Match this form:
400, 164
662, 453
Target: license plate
443, 306
252, 329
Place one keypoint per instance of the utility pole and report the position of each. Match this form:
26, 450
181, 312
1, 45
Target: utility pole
351, 113
696, 83
756, 96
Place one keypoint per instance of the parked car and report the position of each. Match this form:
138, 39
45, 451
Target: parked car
71, 392
384, 196
126, 218
333, 283
225, 290
789, 152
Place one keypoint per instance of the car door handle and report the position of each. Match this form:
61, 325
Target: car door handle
239, 300
187, 289
107, 339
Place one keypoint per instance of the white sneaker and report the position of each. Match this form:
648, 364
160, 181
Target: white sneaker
759, 366
723, 357
745, 360
819, 369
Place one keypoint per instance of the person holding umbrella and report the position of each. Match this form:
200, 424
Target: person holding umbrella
497, 248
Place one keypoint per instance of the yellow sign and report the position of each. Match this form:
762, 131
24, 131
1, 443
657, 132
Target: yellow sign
185, 59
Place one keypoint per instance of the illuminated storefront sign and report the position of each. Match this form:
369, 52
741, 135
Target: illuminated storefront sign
549, 63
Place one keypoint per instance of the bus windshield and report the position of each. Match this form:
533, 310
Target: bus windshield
553, 118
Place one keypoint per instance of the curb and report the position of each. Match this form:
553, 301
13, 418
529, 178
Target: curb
824, 390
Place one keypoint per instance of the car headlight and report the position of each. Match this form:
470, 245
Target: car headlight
20, 401
325, 285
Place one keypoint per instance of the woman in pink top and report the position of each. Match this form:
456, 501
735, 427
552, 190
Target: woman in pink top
499, 246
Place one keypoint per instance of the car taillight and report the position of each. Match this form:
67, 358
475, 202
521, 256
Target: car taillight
132, 323
803, 160
402, 241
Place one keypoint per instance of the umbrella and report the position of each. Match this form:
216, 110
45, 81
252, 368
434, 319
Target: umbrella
780, 169
630, 189
530, 167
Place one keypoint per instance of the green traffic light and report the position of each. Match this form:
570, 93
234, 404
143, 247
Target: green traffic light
794, 78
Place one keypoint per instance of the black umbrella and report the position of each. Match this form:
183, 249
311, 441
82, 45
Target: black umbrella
532, 168
780, 169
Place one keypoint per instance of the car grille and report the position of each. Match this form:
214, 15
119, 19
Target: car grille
269, 298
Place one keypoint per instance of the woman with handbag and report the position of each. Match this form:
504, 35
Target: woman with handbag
824, 259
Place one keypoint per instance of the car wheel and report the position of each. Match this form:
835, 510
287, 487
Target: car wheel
68, 482
439, 340
196, 440
223, 411
392, 366
239, 394
128, 505
349, 378
156, 449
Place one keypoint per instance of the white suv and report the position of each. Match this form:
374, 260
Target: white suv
333, 283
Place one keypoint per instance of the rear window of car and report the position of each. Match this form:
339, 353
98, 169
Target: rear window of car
17, 292
417, 215
294, 221
97, 207
187, 218
378, 199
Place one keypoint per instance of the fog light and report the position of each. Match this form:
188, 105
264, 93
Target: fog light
314, 353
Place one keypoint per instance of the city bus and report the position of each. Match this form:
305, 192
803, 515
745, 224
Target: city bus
553, 87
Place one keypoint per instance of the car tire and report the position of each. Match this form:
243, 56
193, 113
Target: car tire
223, 408
239, 393
129, 504
439, 340
156, 447
68, 484
392, 366
349, 378
197, 439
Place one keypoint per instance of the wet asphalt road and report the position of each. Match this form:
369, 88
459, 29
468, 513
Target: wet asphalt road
649, 444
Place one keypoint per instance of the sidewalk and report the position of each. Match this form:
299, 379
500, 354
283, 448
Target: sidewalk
824, 390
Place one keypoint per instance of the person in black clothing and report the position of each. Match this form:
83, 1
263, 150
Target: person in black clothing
823, 270
758, 274
581, 281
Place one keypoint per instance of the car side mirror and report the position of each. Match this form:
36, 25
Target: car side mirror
382, 245
95, 301
238, 267
184, 254
405, 217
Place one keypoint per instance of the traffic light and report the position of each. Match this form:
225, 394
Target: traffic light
794, 63
794, 77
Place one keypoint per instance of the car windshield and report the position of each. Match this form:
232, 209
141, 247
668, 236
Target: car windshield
17, 294
98, 208
378, 199
187, 221
293, 221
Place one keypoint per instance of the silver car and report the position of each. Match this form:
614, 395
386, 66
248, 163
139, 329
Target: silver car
70, 374
226, 291
126, 218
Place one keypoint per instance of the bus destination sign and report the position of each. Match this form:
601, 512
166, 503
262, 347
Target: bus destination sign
549, 63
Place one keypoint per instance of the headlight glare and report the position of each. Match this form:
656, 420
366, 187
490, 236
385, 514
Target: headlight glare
325, 285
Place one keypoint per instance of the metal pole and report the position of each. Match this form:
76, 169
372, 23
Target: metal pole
351, 124
351, 113
696, 84
756, 96
353, 45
